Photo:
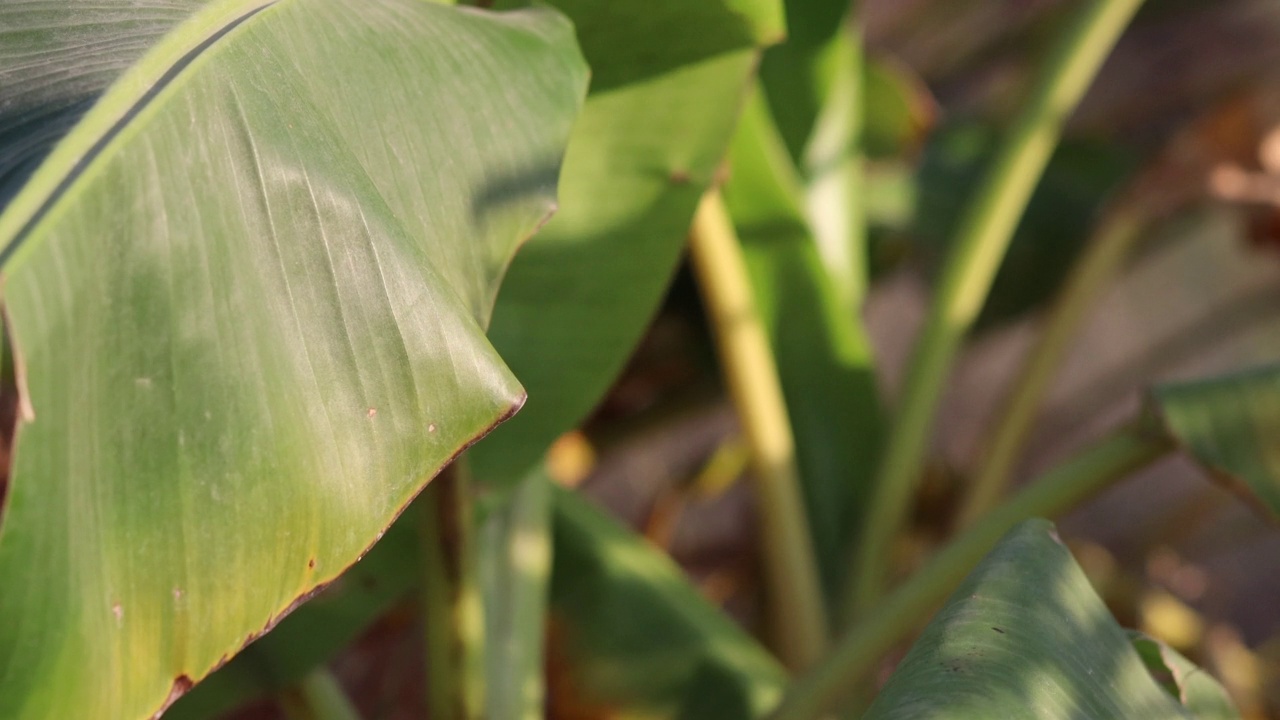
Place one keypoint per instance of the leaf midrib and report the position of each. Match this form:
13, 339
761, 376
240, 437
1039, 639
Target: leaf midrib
119, 106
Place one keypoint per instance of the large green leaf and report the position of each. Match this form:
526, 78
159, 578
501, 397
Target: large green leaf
634, 639
824, 359
1230, 425
579, 294
1024, 636
668, 81
249, 291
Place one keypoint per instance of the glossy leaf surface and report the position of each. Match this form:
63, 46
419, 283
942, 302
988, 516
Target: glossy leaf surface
249, 292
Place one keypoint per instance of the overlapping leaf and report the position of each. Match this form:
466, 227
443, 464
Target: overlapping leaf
668, 82
1024, 636
249, 292
672, 656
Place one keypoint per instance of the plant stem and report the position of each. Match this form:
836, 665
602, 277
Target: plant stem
317, 697
515, 572
454, 611
982, 238
1106, 251
906, 608
795, 595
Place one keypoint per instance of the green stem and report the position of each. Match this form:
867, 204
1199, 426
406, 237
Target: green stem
515, 571
752, 377
983, 236
1103, 256
453, 607
857, 653
317, 697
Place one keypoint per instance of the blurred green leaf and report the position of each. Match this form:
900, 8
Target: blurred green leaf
632, 638
668, 81
1230, 425
1080, 176
1198, 691
898, 111
797, 75
1024, 636
824, 360
232, 297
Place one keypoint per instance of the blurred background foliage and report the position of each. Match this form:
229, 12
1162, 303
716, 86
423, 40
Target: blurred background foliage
1184, 116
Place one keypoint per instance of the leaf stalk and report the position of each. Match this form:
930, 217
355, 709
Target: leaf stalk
795, 595
1057, 491
981, 241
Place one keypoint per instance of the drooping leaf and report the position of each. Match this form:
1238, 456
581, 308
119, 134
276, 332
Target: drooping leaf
248, 291
672, 655
668, 81
1024, 636
1230, 425
1198, 691
824, 359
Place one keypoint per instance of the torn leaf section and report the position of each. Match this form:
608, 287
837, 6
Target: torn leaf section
1193, 687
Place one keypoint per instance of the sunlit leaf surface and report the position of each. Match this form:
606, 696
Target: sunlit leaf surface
1024, 636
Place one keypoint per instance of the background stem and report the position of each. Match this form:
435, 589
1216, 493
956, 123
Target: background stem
905, 609
317, 697
1106, 251
791, 573
980, 243
453, 608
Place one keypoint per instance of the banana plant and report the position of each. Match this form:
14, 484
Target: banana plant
273, 268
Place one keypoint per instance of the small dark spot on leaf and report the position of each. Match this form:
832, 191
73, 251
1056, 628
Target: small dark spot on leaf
311, 564
679, 177
998, 630
181, 685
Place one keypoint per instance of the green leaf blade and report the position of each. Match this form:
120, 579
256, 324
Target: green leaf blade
1024, 636
650, 141
252, 321
1229, 425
